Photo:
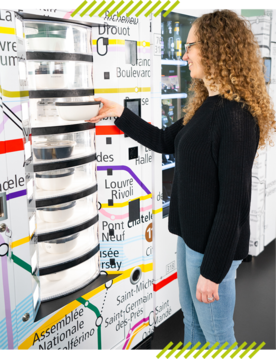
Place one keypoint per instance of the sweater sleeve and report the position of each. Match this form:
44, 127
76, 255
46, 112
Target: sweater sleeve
236, 137
154, 138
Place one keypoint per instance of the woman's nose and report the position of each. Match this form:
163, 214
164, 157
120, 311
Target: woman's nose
185, 57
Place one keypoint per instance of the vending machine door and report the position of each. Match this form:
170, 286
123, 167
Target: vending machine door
175, 82
173, 96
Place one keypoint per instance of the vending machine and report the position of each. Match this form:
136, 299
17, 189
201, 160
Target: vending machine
263, 203
76, 199
87, 261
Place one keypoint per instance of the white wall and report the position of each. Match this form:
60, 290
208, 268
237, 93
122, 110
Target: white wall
235, 9
199, 12
194, 11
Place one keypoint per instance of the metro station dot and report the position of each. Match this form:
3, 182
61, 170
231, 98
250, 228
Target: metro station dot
112, 217
86, 304
99, 321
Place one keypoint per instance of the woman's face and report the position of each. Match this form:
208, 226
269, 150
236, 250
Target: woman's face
193, 56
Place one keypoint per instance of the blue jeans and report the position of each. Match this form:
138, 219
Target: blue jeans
212, 322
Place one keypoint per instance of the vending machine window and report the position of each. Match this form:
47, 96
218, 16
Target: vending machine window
175, 79
175, 82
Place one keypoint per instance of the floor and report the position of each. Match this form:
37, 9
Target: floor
254, 315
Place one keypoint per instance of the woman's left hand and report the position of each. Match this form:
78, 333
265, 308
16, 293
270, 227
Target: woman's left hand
206, 289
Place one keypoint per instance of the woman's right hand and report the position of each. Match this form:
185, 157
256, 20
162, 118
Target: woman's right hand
109, 109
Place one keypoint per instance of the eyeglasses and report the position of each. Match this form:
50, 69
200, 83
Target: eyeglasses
187, 46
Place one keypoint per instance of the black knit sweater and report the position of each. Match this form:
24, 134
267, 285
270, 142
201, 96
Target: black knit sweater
211, 192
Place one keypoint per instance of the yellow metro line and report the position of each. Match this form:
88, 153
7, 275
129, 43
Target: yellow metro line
155, 211
122, 90
13, 94
122, 42
24, 240
7, 30
28, 342
20, 242
136, 332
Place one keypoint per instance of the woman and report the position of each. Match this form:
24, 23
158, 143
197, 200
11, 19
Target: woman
226, 120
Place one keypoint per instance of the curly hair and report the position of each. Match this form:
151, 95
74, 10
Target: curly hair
233, 65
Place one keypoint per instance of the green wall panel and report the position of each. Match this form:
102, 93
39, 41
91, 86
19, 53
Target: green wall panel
252, 11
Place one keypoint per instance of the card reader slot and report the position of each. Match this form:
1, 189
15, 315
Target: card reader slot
3, 206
